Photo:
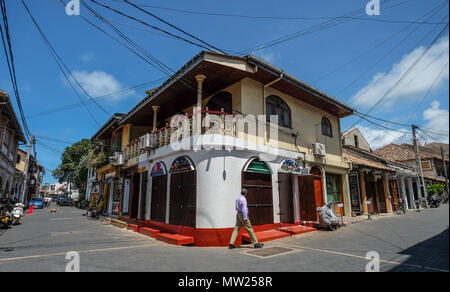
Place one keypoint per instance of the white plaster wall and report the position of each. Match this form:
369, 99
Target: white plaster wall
219, 183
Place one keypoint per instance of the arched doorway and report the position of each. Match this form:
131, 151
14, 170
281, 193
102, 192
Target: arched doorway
159, 192
285, 190
183, 192
257, 179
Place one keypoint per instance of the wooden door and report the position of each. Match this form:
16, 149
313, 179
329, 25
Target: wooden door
183, 198
143, 205
286, 197
307, 198
381, 197
259, 197
159, 198
371, 196
134, 204
334, 191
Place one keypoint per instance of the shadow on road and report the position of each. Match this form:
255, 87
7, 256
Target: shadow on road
431, 253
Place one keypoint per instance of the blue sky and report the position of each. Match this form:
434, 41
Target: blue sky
103, 66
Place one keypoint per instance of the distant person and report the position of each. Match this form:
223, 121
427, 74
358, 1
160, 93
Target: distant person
243, 221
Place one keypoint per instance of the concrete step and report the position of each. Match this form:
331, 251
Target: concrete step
298, 229
133, 227
267, 235
175, 239
149, 231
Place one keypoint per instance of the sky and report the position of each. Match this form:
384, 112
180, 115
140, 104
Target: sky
359, 61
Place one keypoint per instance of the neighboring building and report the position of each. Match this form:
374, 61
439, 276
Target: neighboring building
432, 164
10, 135
170, 179
55, 189
356, 139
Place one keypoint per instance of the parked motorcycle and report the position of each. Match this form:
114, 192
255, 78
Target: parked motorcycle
328, 217
17, 213
5, 219
434, 201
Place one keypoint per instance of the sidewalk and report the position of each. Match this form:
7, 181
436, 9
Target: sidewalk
357, 219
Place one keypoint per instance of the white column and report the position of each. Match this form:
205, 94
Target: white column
155, 116
401, 181
200, 79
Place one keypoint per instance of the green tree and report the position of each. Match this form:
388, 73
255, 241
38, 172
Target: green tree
70, 169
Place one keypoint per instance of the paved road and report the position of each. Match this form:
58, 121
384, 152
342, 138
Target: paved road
409, 242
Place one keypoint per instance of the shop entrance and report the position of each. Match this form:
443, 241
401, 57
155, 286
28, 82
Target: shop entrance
371, 195
183, 193
393, 187
334, 191
286, 197
134, 200
143, 203
307, 198
257, 179
159, 193
382, 208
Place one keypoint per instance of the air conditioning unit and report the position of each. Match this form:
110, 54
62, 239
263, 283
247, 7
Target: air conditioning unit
147, 141
319, 150
117, 159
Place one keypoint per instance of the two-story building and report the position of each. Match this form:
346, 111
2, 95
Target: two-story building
219, 124
10, 135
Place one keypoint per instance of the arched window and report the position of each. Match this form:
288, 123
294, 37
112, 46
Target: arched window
327, 130
276, 106
222, 100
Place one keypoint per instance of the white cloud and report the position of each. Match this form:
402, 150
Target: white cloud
417, 82
99, 83
437, 119
377, 137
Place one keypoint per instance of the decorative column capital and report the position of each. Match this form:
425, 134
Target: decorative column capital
200, 78
156, 108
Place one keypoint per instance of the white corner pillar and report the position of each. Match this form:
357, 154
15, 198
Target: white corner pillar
155, 116
419, 190
200, 79
403, 191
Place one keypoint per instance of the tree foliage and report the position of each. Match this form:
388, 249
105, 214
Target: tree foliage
70, 169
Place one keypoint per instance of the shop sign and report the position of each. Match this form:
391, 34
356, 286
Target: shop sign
158, 169
181, 164
426, 165
143, 166
288, 165
258, 166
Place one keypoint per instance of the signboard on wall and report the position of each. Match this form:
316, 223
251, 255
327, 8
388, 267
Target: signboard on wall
258, 166
288, 165
355, 198
158, 169
426, 165
126, 196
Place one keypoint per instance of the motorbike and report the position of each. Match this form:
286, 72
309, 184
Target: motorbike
5, 219
17, 213
328, 217
434, 201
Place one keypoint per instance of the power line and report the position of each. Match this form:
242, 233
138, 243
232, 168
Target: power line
383, 120
262, 17
53, 140
111, 95
376, 46
59, 62
11, 67
372, 122
428, 91
173, 26
411, 67
379, 60
315, 28
149, 25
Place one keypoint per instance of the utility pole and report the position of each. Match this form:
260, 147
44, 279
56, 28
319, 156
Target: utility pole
27, 163
445, 169
418, 162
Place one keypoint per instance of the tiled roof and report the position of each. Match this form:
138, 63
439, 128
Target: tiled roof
365, 158
395, 152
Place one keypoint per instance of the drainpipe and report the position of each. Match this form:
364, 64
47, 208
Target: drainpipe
264, 98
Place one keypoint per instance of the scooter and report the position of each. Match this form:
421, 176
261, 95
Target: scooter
434, 201
5, 219
17, 213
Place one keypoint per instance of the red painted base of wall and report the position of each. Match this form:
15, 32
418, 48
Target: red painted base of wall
207, 236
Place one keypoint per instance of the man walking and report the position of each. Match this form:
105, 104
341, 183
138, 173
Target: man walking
242, 220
